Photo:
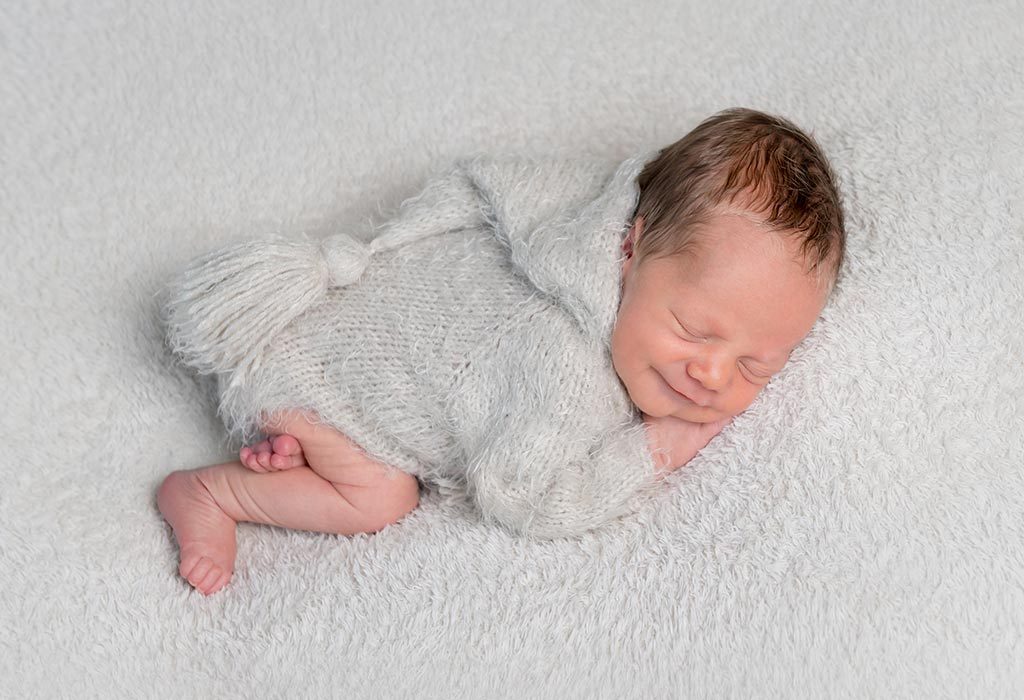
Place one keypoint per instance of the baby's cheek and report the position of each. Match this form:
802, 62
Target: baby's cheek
745, 397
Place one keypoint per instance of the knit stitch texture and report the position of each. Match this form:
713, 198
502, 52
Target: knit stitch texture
467, 343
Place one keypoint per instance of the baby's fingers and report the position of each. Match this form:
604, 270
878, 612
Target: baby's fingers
709, 430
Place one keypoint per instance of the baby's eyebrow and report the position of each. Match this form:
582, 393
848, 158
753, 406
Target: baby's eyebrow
773, 363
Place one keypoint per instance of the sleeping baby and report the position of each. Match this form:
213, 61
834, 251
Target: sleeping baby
544, 338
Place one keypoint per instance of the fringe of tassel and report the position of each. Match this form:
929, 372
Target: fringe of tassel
227, 306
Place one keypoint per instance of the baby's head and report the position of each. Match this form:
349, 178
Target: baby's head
736, 244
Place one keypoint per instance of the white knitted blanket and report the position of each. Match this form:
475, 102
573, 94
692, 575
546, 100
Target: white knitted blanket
468, 343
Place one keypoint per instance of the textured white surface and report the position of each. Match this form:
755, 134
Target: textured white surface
859, 532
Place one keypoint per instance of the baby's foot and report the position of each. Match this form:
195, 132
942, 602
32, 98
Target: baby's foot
274, 454
205, 533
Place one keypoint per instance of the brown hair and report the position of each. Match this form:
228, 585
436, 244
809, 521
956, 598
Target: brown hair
741, 156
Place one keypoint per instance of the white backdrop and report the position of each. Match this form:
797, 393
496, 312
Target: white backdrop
859, 532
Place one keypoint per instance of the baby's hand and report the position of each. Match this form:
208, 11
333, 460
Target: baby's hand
681, 439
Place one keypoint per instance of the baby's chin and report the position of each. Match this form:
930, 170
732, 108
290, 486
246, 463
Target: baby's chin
698, 414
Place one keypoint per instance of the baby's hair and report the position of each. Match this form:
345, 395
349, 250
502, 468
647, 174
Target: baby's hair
759, 163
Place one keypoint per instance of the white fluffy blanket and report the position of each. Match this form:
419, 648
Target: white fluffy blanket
859, 532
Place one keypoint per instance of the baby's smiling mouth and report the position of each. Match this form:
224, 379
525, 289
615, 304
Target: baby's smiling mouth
685, 396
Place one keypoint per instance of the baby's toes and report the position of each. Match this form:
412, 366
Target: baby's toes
249, 456
287, 453
203, 573
222, 581
248, 459
261, 446
194, 569
208, 584
262, 459
281, 462
285, 444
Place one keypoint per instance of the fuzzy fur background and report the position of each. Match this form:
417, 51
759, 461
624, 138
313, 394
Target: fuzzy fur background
859, 532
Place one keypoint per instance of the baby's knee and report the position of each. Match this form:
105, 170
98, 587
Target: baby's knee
386, 501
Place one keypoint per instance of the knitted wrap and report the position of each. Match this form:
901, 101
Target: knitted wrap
227, 306
467, 343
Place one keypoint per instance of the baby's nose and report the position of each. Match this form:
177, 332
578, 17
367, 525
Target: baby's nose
712, 374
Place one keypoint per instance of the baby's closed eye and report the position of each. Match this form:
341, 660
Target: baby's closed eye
757, 373
694, 337
763, 372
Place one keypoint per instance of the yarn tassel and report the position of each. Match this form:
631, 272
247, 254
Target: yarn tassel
227, 306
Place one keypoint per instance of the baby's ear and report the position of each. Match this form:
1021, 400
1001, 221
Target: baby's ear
631, 238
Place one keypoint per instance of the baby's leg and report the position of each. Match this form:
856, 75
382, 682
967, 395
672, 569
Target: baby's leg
342, 491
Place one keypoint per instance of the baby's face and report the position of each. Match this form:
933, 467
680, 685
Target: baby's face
699, 335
